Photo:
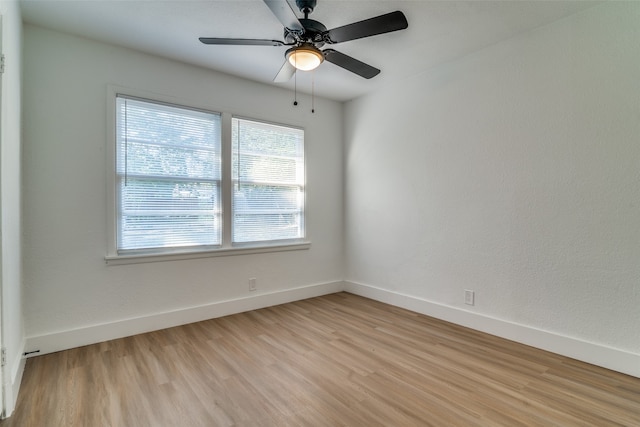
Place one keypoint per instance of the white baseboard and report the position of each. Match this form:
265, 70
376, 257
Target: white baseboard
64, 340
595, 354
12, 386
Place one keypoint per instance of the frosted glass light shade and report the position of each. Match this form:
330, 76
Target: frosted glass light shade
305, 58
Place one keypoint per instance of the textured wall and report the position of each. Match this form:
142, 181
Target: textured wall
515, 172
67, 284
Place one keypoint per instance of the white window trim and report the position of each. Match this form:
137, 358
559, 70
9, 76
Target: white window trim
227, 248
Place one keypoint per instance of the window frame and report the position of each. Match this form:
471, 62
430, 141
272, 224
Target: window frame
233, 182
227, 248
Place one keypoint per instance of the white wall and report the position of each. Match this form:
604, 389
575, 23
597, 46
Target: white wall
10, 201
72, 296
514, 172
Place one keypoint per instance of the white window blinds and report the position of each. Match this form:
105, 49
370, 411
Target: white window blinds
168, 172
268, 181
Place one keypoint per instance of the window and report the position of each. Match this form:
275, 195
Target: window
192, 181
168, 176
268, 182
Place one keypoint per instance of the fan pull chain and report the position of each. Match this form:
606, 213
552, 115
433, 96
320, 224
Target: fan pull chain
313, 91
295, 81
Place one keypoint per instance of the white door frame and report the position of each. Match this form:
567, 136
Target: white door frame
3, 382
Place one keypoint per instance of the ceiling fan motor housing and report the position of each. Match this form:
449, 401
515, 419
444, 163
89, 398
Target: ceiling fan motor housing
314, 32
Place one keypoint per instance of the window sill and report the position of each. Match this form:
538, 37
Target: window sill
177, 256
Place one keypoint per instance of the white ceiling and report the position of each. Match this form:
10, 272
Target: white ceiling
439, 31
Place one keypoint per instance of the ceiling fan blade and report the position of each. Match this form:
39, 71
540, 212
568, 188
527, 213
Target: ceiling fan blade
241, 42
286, 72
350, 64
387, 23
282, 10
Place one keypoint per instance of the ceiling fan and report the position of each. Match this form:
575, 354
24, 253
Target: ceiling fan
306, 37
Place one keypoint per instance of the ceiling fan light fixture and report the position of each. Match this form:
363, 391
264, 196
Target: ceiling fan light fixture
305, 57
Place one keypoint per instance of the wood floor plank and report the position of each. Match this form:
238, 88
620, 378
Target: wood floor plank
335, 360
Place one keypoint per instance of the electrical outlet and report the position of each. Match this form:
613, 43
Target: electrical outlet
252, 284
469, 297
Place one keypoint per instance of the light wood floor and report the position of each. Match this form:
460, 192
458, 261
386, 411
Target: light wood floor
337, 360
